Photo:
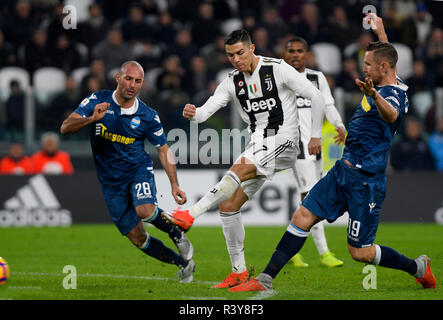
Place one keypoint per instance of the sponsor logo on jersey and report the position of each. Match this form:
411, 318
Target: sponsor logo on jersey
302, 102
260, 105
241, 92
268, 82
135, 122
101, 130
365, 104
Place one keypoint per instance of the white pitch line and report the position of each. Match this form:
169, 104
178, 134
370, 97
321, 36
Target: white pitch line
116, 276
260, 296
24, 287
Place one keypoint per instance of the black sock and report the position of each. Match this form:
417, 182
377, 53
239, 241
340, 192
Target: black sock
156, 249
390, 258
157, 221
291, 243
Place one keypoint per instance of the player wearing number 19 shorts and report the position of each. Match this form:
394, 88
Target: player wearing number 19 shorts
357, 182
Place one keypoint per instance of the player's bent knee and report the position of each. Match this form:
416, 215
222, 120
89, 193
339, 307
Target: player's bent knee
145, 211
140, 241
304, 219
361, 254
228, 207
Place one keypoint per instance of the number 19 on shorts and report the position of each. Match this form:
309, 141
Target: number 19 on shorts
353, 228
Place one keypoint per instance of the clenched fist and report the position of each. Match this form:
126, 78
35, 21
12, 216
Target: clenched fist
100, 111
189, 111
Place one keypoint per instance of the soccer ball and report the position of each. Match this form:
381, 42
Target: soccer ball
4, 271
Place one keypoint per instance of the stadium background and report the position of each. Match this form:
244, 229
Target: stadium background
180, 45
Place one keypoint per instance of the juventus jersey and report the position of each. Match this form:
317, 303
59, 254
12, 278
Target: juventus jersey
265, 99
304, 106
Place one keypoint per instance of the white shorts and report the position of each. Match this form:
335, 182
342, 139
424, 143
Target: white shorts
307, 173
269, 155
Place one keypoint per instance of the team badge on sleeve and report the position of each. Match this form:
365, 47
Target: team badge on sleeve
84, 102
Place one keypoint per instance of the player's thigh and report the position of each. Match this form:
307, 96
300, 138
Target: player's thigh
119, 203
270, 155
326, 199
365, 200
307, 173
143, 190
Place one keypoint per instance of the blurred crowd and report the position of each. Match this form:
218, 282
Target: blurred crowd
180, 46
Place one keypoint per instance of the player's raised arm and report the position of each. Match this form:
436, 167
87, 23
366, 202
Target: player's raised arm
75, 122
385, 109
377, 26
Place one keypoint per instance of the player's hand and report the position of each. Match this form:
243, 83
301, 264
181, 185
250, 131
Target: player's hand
314, 146
341, 135
375, 22
100, 111
367, 87
179, 195
189, 111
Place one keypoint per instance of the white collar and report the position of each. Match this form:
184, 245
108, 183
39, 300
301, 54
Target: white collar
128, 111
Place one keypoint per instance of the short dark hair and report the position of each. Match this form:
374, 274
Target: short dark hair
299, 39
238, 36
384, 50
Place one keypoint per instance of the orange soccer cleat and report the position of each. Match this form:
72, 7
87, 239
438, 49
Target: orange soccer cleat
233, 279
180, 218
251, 285
428, 280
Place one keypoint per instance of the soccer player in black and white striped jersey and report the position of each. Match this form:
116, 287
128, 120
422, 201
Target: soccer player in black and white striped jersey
264, 89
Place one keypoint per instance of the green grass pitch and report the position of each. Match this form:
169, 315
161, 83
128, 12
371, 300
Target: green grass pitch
109, 267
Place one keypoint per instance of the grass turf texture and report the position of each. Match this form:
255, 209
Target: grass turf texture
109, 267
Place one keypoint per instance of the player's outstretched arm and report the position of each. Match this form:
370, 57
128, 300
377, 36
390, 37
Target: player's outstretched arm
75, 122
377, 26
168, 162
387, 112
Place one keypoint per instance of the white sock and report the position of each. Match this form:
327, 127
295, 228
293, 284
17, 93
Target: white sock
318, 234
222, 191
234, 233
